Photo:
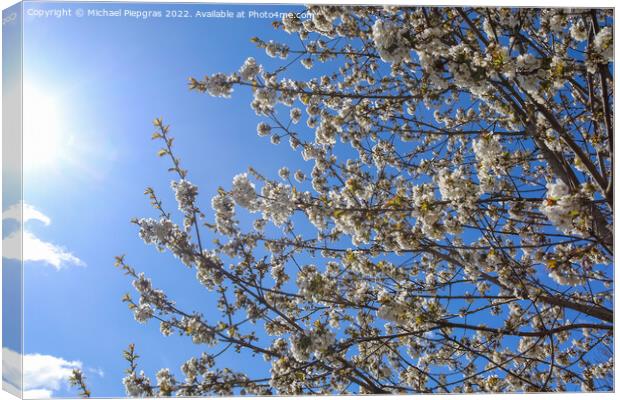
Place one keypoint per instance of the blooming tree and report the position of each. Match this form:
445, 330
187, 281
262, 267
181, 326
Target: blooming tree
460, 199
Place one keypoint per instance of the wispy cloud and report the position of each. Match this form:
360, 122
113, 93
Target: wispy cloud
37, 250
34, 249
30, 213
42, 374
96, 371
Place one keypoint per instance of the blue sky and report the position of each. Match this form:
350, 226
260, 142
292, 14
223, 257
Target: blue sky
103, 80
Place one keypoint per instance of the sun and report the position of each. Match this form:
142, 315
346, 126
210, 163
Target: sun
42, 128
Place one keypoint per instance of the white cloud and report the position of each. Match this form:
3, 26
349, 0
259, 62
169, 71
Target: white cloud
42, 374
34, 249
30, 213
37, 250
46, 373
11, 371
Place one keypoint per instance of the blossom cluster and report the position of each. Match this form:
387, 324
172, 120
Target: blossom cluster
565, 209
449, 226
315, 342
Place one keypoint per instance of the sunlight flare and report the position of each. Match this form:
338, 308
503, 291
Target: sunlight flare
43, 139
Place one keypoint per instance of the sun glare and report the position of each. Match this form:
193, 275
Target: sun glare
42, 128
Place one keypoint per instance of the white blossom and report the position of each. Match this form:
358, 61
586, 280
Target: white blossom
159, 233
243, 192
300, 176
564, 209
314, 342
136, 385
603, 44
263, 129
277, 205
284, 173
224, 213
578, 31
218, 85
143, 312
295, 115
185, 193
249, 69
390, 41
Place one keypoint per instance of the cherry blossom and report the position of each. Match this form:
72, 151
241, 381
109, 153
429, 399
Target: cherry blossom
449, 228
